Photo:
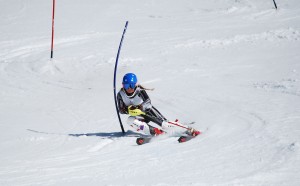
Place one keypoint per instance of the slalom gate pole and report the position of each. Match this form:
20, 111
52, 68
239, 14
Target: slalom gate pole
275, 4
52, 40
115, 72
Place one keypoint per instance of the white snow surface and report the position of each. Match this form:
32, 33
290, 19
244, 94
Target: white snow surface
230, 66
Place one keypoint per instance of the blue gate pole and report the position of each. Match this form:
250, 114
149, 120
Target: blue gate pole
115, 73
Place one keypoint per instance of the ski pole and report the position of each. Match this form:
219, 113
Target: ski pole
137, 112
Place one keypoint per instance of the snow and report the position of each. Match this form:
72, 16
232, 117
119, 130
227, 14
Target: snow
231, 66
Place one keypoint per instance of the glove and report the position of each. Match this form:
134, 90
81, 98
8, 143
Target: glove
133, 107
123, 111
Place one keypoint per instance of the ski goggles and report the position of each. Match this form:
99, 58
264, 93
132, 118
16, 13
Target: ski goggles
130, 85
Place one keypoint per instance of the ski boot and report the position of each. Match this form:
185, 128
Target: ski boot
192, 132
155, 131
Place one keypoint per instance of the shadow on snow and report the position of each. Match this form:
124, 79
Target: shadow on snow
97, 134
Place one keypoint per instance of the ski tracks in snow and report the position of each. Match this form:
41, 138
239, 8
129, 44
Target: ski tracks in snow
233, 133
55, 157
290, 34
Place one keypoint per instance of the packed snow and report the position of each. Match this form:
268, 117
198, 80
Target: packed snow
231, 67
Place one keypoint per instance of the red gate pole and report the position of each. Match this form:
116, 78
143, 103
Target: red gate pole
53, 10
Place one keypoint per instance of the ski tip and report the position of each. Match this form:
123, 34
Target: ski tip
140, 141
197, 133
182, 139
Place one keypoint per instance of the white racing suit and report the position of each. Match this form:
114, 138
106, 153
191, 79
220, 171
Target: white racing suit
142, 123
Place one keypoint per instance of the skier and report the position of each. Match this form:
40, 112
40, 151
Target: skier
133, 100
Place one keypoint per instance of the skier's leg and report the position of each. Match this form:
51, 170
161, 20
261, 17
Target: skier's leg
176, 128
172, 129
138, 125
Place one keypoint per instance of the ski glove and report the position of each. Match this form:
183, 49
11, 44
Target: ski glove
132, 107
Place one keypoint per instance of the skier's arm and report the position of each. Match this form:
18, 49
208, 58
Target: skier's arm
146, 101
123, 109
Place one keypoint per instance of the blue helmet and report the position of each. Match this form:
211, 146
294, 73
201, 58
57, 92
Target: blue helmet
129, 81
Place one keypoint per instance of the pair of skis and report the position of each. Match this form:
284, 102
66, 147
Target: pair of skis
144, 140
181, 139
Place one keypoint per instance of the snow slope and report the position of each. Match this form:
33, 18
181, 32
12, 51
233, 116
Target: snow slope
232, 66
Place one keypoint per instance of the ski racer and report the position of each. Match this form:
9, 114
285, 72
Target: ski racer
144, 117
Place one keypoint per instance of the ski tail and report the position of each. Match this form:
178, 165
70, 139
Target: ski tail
143, 140
183, 139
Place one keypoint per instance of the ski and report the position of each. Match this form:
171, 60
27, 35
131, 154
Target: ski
183, 139
189, 134
147, 139
143, 140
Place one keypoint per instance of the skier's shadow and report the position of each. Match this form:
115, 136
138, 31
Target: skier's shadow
98, 134
108, 134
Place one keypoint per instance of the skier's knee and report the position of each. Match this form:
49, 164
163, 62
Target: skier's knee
130, 120
138, 125
134, 122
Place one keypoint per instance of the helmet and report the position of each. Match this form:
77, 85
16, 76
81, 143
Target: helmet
129, 80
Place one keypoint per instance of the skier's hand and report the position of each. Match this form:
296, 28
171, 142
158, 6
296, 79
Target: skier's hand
140, 107
123, 111
133, 107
